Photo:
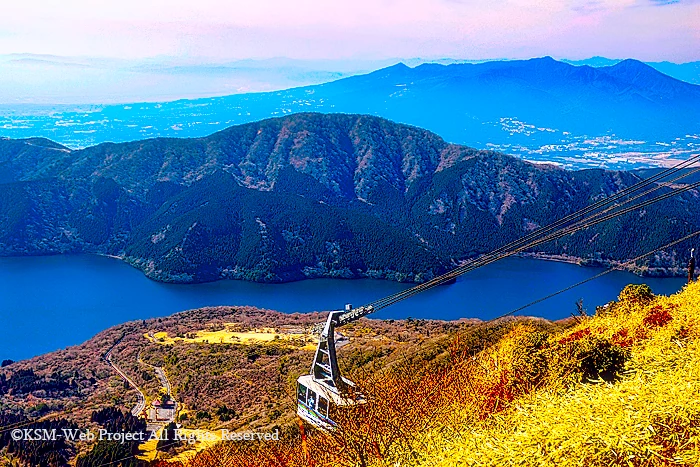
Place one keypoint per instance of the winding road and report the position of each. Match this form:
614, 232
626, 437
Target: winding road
140, 406
163, 380
165, 383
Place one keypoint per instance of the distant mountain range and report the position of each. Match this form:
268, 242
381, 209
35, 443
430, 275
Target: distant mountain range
629, 99
50, 79
626, 115
308, 195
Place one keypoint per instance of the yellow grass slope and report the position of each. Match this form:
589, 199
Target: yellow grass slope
621, 388
229, 335
649, 415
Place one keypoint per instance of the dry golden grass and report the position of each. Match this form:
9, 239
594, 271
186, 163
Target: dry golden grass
231, 335
649, 417
204, 439
147, 450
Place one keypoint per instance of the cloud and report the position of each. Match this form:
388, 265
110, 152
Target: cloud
589, 6
671, 2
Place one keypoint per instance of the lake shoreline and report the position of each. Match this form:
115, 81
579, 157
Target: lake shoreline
388, 275
662, 273
643, 271
50, 302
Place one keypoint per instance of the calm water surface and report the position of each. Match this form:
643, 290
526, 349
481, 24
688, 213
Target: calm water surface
47, 303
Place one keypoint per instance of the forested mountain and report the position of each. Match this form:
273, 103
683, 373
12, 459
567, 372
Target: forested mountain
307, 195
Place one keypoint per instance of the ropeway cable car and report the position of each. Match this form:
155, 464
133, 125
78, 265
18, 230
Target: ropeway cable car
324, 390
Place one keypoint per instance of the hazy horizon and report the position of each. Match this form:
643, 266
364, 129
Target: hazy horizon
79, 51
42, 79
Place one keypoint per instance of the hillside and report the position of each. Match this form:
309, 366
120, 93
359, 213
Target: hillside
620, 388
624, 115
229, 367
310, 195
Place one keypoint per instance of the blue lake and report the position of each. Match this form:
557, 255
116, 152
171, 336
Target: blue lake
47, 303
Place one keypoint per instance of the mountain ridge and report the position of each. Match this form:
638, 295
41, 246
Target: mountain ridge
311, 195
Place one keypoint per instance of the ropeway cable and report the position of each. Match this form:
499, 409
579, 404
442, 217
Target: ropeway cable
585, 223
625, 192
596, 205
607, 271
458, 272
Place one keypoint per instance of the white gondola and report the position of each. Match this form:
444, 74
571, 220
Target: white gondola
322, 392
317, 402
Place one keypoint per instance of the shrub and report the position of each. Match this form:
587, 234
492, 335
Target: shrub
530, 361
224, 413
600, 359
622, 338
203, 414
575, 336
657, 317
640, 294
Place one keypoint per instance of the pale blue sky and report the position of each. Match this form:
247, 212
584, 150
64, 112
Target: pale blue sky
651, 30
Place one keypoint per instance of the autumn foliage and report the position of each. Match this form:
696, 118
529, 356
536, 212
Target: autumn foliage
620, 388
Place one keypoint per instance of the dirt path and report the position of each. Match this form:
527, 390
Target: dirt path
141, 404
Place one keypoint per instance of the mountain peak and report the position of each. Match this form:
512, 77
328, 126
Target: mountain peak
641, 74
631, 63
401, 66
546, 59
546, 62
398, 69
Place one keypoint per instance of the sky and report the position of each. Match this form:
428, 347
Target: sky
108, 51
651, 30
